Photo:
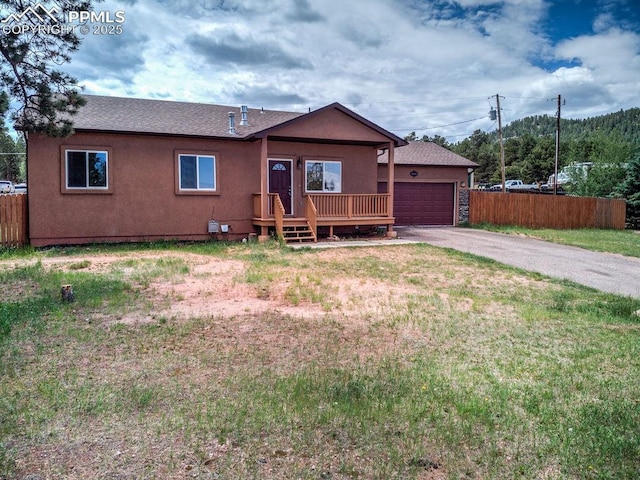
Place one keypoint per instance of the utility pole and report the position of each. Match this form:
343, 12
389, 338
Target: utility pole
502, 167
555, 175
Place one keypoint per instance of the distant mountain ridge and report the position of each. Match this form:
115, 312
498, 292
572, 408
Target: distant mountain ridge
624, 124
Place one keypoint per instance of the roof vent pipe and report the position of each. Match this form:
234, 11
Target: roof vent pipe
243, 111
232, 123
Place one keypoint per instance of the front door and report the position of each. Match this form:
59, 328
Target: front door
280, 181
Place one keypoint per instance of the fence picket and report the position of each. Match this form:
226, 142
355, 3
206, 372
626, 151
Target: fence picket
546, 211
13, 220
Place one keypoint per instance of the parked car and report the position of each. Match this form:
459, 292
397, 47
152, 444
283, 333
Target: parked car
21, 187
6, 187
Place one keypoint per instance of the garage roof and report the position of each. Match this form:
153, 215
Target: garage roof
427, 153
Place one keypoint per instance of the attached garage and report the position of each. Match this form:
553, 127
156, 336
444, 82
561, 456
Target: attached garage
424, 203
428, 181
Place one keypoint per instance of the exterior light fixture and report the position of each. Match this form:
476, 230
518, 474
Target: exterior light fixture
413, 173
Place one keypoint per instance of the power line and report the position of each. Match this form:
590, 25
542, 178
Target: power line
440, 126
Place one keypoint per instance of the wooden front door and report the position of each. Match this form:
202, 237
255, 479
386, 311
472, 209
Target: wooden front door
280, 181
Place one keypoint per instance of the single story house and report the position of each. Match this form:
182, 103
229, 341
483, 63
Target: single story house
429, 181
141, 170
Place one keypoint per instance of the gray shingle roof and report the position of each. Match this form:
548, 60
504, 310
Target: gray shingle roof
136, 115
427, 153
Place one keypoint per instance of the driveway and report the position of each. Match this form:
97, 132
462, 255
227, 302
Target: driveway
608, 272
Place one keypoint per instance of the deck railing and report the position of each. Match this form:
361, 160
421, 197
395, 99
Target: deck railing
333, 205
257, 204
350, 206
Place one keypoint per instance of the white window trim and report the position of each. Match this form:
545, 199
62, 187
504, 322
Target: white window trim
198, 156
323, 162
86, 152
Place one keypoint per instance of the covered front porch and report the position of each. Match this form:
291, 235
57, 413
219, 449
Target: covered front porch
322, 210
320, 170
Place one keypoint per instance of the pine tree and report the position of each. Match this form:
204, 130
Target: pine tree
629, 189
46, 97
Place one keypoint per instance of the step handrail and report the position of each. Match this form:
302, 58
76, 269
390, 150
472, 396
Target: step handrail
311, 214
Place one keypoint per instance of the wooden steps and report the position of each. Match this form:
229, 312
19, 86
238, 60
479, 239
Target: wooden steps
297, 230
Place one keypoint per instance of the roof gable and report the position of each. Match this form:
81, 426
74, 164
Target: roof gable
334, 122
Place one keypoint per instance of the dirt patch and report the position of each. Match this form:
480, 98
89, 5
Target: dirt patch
214, 287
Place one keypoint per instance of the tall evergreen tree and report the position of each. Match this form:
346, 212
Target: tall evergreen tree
46, 97
629, 189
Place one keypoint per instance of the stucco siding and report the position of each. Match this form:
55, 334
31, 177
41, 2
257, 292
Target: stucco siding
143, 203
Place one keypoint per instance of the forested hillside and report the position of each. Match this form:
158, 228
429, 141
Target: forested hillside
610, 142
609, 146
625, 123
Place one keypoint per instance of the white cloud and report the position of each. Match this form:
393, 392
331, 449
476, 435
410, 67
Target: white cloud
405, 64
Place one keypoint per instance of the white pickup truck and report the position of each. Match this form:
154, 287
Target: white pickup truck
521, 186
508, 183
515, 185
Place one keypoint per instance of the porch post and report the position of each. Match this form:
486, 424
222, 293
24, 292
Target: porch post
390, 189
264, 188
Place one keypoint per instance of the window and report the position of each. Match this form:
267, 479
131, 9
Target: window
87, 169
197, 172
324, 176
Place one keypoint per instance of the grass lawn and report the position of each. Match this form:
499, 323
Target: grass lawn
219, 361
624, 242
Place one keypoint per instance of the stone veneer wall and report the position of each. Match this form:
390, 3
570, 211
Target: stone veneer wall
463, 206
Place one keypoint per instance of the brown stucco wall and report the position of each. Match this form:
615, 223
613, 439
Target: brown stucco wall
142, 202
330, 124
359, 173
426, 173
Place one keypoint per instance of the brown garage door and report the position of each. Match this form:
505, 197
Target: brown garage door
422, 203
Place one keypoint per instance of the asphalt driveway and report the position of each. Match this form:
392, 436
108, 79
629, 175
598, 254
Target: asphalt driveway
604, 271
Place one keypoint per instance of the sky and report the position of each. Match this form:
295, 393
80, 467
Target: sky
429, 67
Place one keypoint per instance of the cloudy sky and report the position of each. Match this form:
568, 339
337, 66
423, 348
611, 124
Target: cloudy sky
433, 67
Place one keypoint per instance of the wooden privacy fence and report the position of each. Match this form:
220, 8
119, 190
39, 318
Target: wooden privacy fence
546, 211
13, 220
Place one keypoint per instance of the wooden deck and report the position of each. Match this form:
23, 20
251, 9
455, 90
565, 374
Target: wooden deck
327, 210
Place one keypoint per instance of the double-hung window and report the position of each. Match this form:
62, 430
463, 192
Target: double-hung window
323, 176
197, 172
87, 169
